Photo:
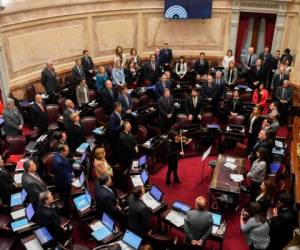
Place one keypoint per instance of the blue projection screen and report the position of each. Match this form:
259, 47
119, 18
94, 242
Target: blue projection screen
186, 9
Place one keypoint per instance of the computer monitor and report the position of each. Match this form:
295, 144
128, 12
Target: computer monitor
23, 194
108, 222
156, 193
181, 206
217, 218
43, 235
142, 160
144, 176
274, 167
29, 212
132, 239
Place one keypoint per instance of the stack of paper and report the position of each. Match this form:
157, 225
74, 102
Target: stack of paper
230, 165
175, 218
230, 159
18, 214
147, 144
236, 177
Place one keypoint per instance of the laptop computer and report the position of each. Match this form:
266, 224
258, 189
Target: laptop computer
83, 201
274, 167
43, 235
105, 228
82, 148
130, 241
140, 163
140, 179
25, 222
181, 207
78, 182
217, 219
153, 198
18, 199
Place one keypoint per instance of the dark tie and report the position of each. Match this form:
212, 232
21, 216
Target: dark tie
249, 62
111, 93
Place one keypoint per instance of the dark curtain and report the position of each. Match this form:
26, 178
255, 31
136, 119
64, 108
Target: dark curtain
242, 32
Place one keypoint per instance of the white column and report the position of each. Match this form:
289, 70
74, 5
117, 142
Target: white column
234, 24
279, 26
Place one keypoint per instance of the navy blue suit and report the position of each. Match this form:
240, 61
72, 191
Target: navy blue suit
165, 56
123, 102
114, 130
159, 88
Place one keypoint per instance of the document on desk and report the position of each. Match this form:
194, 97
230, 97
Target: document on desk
230, 165
150, 201
18, 214
175, 218
18, 178
230, 159
33, 245
215, 229
236, 177
136, 180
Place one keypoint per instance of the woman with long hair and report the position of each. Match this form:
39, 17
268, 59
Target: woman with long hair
260, 96
227, 58
181, 68
265, 196
100, 164
119, 56
231, 74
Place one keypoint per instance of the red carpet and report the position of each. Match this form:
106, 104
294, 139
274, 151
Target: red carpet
189, 172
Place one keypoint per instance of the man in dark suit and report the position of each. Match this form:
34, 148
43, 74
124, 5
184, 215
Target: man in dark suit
165, 57
48, 78
161, 85
39, 114
263, 141
49, 218
235, 106
220, 85
194, 106
139, 214
78, 73
287, 56
7, 184
70, 108
75, 132
106, 201
13, 119
201, 66
278, 79
255, 122
82, 93
125, 100
115, 126
32, 183
275, 62
63, 174
209, 93
256, 74
166, 110
127, 146
266, 58
151, 70
88, 65
109, 97
198, 225
284, 97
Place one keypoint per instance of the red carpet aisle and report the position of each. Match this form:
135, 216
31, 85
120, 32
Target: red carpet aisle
191, 187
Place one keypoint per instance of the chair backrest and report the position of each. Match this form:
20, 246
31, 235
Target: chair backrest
159, 241
101, 117
135, 103
144, 99
48, 163
141, 135
92, 95
88, 124
240, 150
182, 121
236, 120
207, 118
247, 97
16, 144
53, 113
228, 95
61, 103
30, 92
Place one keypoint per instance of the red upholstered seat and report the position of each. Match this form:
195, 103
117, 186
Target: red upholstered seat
141, 135
30, 134
5, 221
13, 159
48, 163
88, 124
15, 148
101, 117
7, 243
135, 103
53, 115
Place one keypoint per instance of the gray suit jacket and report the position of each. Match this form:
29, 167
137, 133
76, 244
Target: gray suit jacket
81, 96
66, 117
233, 77
33, 186
245, 61
198, 225
12, 120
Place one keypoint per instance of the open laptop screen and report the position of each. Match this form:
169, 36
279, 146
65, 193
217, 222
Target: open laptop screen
216, 219
43, 235
88, 197
23, 194
108, 222
29, 212
81, 178
144, 177
181, 207
143, 160
156, 193
132, 239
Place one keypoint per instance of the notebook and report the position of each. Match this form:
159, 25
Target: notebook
130, 241
78, 182
43, 235
105, 230
153, 198
83, 201
18, 198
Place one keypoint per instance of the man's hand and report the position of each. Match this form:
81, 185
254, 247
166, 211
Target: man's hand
20, 127
275, 211
190, 117
194, 242
200, 242
169, 116
199, 117
128, 111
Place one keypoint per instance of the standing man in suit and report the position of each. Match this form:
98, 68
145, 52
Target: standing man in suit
70, 108
284, 97
13, 119
287, 56
115, 126
235, 106
88, 65
165, 57
39, 114
127, 146
220, 85
7, 184
82, 93
256, 74
248, 60
201, 66
139, 214
63, 174
106, 201
109, 97
209, 93
166, 110
151, 70
125, 100
162, 85
275, 62
48, 78
255, 122
75, 132
266, 58
32, 183
78, 73
278, 79
194, 106
198, 225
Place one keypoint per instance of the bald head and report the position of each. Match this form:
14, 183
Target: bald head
69, 104
200, 203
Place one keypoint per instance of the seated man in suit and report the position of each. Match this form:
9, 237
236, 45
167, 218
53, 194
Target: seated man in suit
78, 72
194, 106
278, 79
106, 200
161, 85
165, 57
82, 93
63, 174
88, 65
139, 214
256, 74
39, 114
7, 184
165, 110
48, 78
49, 218
32, 182
13, 119
151, 70
115, 125
284, 97
235, 105
198, 225
201, 66
75, 132
70, 108
125, 100
127, 146
109, 97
